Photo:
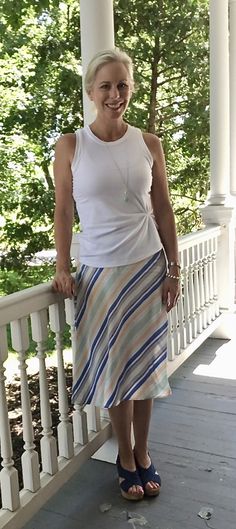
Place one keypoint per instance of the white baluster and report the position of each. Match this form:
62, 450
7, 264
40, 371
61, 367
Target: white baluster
48, 442
29, 459
180, 307
215, 286
206, 284
80, 425
64, 429
176, 333
187, 306
80, 422
192, 302
170, 340
8, 475
211, 291
201, 286
94, 418
196, 267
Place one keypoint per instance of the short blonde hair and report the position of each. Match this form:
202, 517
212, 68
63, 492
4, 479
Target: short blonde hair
105, 57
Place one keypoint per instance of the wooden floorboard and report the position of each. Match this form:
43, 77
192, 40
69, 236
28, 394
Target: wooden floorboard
193, 442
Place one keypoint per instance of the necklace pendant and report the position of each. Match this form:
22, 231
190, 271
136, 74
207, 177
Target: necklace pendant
125, 195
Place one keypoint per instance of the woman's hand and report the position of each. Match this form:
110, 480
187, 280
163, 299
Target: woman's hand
170, 292
64, 282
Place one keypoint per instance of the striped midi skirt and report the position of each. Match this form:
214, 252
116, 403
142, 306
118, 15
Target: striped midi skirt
121, 324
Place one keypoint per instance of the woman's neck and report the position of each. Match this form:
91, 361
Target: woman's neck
109, 131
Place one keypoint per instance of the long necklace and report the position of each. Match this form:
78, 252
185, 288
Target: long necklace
124, 180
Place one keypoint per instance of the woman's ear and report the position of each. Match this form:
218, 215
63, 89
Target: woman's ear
90, 95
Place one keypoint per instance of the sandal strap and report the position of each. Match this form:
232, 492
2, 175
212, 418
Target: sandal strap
130, 477
148, 474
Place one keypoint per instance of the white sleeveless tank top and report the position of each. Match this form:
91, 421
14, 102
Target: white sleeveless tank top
111, 188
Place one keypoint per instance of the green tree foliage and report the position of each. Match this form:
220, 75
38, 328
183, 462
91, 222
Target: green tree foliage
168, 40
41, 97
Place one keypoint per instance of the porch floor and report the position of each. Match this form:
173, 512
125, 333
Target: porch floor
192, 441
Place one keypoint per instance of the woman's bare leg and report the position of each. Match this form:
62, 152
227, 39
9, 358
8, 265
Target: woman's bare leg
121, 418
141, 422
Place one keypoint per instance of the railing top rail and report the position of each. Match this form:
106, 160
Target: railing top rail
186, 241
25, 302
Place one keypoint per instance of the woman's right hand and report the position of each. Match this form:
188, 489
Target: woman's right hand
64, 283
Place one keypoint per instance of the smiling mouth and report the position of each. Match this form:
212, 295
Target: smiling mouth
116, 106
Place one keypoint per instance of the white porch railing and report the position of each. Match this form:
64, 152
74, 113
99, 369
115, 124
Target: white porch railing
197, 313
40, 309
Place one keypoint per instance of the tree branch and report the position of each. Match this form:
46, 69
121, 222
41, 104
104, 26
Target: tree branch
154, 85
47, 175
176, 77
189, 198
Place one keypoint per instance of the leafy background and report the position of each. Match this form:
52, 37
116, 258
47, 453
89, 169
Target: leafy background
41, 98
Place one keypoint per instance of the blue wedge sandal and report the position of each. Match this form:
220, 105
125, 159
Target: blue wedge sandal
128, 479
149, 474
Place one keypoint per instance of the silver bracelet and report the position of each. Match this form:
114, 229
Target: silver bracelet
173, 277
174, 263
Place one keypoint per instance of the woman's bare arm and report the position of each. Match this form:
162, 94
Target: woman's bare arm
64, 212
164, 216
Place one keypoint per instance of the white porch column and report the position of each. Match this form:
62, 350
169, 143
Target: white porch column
219, 208
232, 56
97, 33
219, 102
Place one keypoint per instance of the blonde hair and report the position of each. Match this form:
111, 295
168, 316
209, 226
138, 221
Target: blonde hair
105, 57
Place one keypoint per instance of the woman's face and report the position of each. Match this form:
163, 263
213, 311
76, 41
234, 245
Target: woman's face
111, 91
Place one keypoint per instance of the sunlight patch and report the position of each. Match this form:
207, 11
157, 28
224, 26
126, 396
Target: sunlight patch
223, 365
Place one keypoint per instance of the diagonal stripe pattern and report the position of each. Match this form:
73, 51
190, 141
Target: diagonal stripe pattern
121, 334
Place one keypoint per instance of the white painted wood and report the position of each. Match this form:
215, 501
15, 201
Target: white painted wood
226, 263
200, 236
25, 302
79, 419
64, 429
29, 458
197, 291
70, 319
192, 302
31, 503
182, 328
97, 33
187, 305
206, 288
219, 102
80, 425
201, 284
232, 63
190, 348
8, 475
39, 322
94, 418
211, 290
3, 344
170, 339
176, 333
215, 282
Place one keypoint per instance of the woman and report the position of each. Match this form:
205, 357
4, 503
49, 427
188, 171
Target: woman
116, 176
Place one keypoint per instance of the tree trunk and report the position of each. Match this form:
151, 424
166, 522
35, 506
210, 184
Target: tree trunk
47, 176
154, 84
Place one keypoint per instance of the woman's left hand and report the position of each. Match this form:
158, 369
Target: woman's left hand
170, 292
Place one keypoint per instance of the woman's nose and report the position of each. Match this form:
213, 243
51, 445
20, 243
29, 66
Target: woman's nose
114, 92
